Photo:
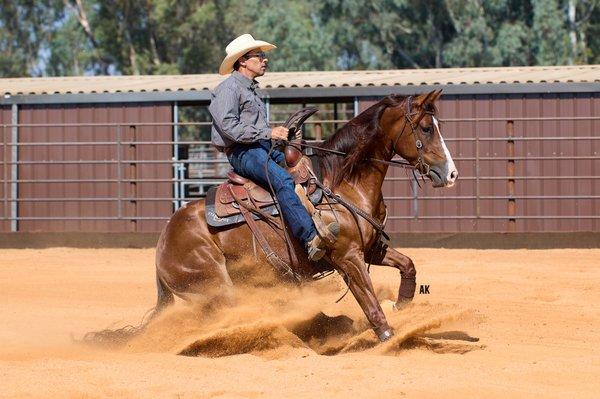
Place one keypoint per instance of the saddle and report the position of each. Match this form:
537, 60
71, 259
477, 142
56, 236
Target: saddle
223, 202
240, 200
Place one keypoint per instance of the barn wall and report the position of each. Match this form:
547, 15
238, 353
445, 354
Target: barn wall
5, 167
482, 121
475, 128
92, 191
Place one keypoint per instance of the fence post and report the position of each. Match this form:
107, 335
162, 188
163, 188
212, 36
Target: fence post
477, 173
318, 131
5, 212
119, 175
133, 190
14, 175
335, 117
510, 173
176, 194
415, 200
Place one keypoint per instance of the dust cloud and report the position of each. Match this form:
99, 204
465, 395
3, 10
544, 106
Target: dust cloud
272, 319
536, 316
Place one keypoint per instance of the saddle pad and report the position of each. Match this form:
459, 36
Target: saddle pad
222, 208
226, 204
214, 220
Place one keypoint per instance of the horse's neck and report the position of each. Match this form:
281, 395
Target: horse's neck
367, 187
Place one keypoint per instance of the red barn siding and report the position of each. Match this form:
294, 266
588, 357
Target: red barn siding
5, 167
130, 113
466, 120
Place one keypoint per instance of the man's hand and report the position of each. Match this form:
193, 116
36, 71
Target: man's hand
279, 133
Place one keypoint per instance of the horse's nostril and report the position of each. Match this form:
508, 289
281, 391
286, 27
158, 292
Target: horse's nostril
454, 175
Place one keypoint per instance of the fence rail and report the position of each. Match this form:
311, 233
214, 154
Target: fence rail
207, 166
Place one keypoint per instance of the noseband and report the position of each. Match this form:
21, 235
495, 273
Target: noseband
421, 165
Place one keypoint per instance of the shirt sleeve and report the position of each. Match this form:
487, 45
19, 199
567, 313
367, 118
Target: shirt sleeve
225, 111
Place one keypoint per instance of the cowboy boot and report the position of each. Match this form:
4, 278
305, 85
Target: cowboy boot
317, 246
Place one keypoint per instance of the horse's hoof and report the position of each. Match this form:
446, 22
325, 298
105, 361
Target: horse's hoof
401, 304
386, 335
387, 305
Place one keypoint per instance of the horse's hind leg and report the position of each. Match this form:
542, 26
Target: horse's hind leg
408, 275
189, 262
201, 277
164, 295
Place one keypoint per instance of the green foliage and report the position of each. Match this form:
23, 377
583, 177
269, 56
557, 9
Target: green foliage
70, 51
301, 44
472, 44
73, 37
550, 43
592, 50
24, 27
511, 45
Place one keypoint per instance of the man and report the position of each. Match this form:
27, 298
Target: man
241, 129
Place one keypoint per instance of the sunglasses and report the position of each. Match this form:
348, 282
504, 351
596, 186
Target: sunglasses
261, 55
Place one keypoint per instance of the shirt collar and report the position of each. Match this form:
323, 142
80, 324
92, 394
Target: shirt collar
244, 81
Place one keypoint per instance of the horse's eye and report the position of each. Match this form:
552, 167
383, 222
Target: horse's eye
426, 130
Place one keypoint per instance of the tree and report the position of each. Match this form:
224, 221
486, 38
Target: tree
302, 44
550, 38
472, 44
24, 28
72, 37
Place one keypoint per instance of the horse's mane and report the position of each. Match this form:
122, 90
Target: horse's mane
358, 138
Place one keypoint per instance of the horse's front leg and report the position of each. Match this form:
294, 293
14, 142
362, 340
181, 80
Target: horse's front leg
359, 282
408, 274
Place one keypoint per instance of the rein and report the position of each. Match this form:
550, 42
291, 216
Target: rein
400, 164
352, 208
421, 166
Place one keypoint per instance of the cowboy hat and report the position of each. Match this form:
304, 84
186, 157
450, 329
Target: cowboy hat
238, 47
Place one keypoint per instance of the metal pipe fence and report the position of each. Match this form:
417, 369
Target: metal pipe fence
204, 167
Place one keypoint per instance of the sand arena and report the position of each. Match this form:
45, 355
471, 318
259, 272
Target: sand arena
496, 324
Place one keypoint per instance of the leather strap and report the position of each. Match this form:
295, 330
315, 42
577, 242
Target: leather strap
283, 268
353, 208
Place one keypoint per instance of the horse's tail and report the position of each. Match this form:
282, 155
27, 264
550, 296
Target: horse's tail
120, 336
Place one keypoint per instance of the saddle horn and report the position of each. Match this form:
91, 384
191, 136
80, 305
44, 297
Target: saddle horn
292, 153
295, 121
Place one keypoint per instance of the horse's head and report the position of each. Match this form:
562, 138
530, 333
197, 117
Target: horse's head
414, 131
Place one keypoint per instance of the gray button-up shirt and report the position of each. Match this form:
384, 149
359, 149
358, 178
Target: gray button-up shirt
238, 113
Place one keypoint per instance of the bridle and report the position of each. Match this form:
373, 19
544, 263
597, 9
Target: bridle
422, 166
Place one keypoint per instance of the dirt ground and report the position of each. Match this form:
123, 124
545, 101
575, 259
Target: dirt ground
496, 324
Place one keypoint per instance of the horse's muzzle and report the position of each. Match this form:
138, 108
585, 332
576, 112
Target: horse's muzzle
442, 177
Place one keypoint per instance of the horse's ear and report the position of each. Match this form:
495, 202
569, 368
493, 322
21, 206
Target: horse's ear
424, 98
436, 96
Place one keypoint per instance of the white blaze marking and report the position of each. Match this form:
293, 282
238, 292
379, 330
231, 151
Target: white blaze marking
450, 167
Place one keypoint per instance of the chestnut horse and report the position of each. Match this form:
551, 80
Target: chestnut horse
192, 258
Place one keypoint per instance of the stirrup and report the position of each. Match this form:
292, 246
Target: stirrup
328, 233
315, 249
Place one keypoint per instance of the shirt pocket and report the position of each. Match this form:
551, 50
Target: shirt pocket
249, 104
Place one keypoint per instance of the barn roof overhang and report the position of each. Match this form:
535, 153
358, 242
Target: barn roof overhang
300, 86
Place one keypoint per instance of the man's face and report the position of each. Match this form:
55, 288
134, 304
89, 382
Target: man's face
255, 61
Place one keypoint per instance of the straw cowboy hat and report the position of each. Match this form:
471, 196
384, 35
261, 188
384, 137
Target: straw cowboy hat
238, 47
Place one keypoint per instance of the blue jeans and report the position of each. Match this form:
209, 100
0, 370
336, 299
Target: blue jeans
248, 160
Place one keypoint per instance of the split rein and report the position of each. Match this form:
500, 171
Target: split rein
400, 164
421, 166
